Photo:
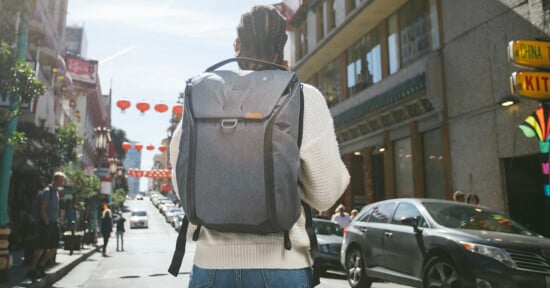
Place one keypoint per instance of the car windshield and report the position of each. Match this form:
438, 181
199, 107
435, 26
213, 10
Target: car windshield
474, 218
139, 213
327, 228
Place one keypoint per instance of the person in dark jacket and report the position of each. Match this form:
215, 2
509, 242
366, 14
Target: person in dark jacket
106, 228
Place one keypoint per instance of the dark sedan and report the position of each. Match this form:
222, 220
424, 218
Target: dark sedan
434, 243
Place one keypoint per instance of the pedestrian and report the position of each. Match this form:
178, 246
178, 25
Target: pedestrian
340, 216
106, 228
458, 196
224, 259
353, 214
48, 226
120, 231
472, 199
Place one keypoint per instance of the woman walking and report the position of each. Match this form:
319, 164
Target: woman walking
106, 228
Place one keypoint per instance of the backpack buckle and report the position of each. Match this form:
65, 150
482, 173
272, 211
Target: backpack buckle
229, 123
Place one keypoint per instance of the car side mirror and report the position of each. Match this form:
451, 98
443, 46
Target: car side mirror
411, 221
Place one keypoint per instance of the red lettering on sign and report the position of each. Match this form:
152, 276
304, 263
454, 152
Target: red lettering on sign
545, 83
528, 83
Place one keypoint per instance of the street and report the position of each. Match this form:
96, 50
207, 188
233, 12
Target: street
144, 263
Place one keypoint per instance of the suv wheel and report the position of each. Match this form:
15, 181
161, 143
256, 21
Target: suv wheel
355, 270
441, 273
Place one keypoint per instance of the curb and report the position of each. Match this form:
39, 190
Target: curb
53, 277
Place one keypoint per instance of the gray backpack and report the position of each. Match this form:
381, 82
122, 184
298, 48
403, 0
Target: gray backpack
238, 168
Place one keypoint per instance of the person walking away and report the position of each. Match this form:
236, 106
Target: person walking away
106, 228
340, 216
224, 259
48, 227
120, 231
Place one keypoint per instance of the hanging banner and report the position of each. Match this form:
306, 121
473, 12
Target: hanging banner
82, 70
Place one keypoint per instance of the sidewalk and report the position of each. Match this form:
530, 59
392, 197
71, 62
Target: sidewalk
64, 264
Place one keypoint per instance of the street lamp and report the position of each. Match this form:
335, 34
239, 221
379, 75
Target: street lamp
102, 137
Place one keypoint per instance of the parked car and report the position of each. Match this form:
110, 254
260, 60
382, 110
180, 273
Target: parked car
329, 239
139, 218
178, 219
437, 243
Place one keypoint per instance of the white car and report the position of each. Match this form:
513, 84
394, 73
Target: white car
139, 219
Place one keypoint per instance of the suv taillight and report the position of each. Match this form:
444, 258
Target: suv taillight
345, 231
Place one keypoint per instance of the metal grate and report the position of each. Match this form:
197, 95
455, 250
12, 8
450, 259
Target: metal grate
335, 249
529, 261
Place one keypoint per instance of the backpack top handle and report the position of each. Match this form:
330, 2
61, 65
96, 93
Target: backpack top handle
245, 59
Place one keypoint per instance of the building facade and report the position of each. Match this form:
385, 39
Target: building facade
414, 88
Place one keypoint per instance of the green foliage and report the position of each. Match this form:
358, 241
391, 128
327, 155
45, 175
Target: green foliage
86, 190
41, 150
17, 79
119, 196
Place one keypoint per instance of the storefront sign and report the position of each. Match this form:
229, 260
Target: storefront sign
535, 85
530, 53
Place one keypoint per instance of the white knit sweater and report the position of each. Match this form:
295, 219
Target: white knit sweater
324, 177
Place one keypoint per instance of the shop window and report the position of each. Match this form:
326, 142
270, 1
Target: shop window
330, 80
434, 185
403, 168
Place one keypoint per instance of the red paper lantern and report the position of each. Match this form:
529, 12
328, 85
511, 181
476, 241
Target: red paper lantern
123, 104
143, 106
138, 146
126, 146
163, 148
161, 108
150, 147
139, 173
178, 109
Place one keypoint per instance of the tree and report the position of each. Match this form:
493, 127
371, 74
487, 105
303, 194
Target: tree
85, 191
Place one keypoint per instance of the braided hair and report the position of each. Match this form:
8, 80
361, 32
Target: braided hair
262, 35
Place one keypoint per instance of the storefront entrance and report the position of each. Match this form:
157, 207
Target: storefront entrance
526, 200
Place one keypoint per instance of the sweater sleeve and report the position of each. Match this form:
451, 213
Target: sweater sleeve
174, 151
324, 175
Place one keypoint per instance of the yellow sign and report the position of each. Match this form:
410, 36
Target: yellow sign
535, 85
527, 53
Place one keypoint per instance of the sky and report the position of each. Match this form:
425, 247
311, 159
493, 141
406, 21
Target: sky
147, 49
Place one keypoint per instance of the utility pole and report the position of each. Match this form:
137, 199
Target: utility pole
7, 155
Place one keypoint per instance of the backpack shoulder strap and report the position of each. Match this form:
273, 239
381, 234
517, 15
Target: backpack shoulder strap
313, 245
177, 257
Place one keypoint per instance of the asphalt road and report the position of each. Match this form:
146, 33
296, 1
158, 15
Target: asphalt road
144, 263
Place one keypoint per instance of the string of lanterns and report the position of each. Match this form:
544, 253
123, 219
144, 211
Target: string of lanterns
137, 173
143, 107
138, 146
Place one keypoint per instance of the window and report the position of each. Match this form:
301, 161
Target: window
301, 41
433, 165
434, 24
331, 14
414, 30
403, 168
364, 216
330, 80
320, 23
381, 213
393, 43
364, 66
408, 210
350, 6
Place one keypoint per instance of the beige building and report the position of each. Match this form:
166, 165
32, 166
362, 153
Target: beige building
415, 89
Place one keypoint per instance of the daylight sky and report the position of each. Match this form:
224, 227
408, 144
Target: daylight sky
147, 49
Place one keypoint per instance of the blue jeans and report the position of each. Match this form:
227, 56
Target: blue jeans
253, 278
